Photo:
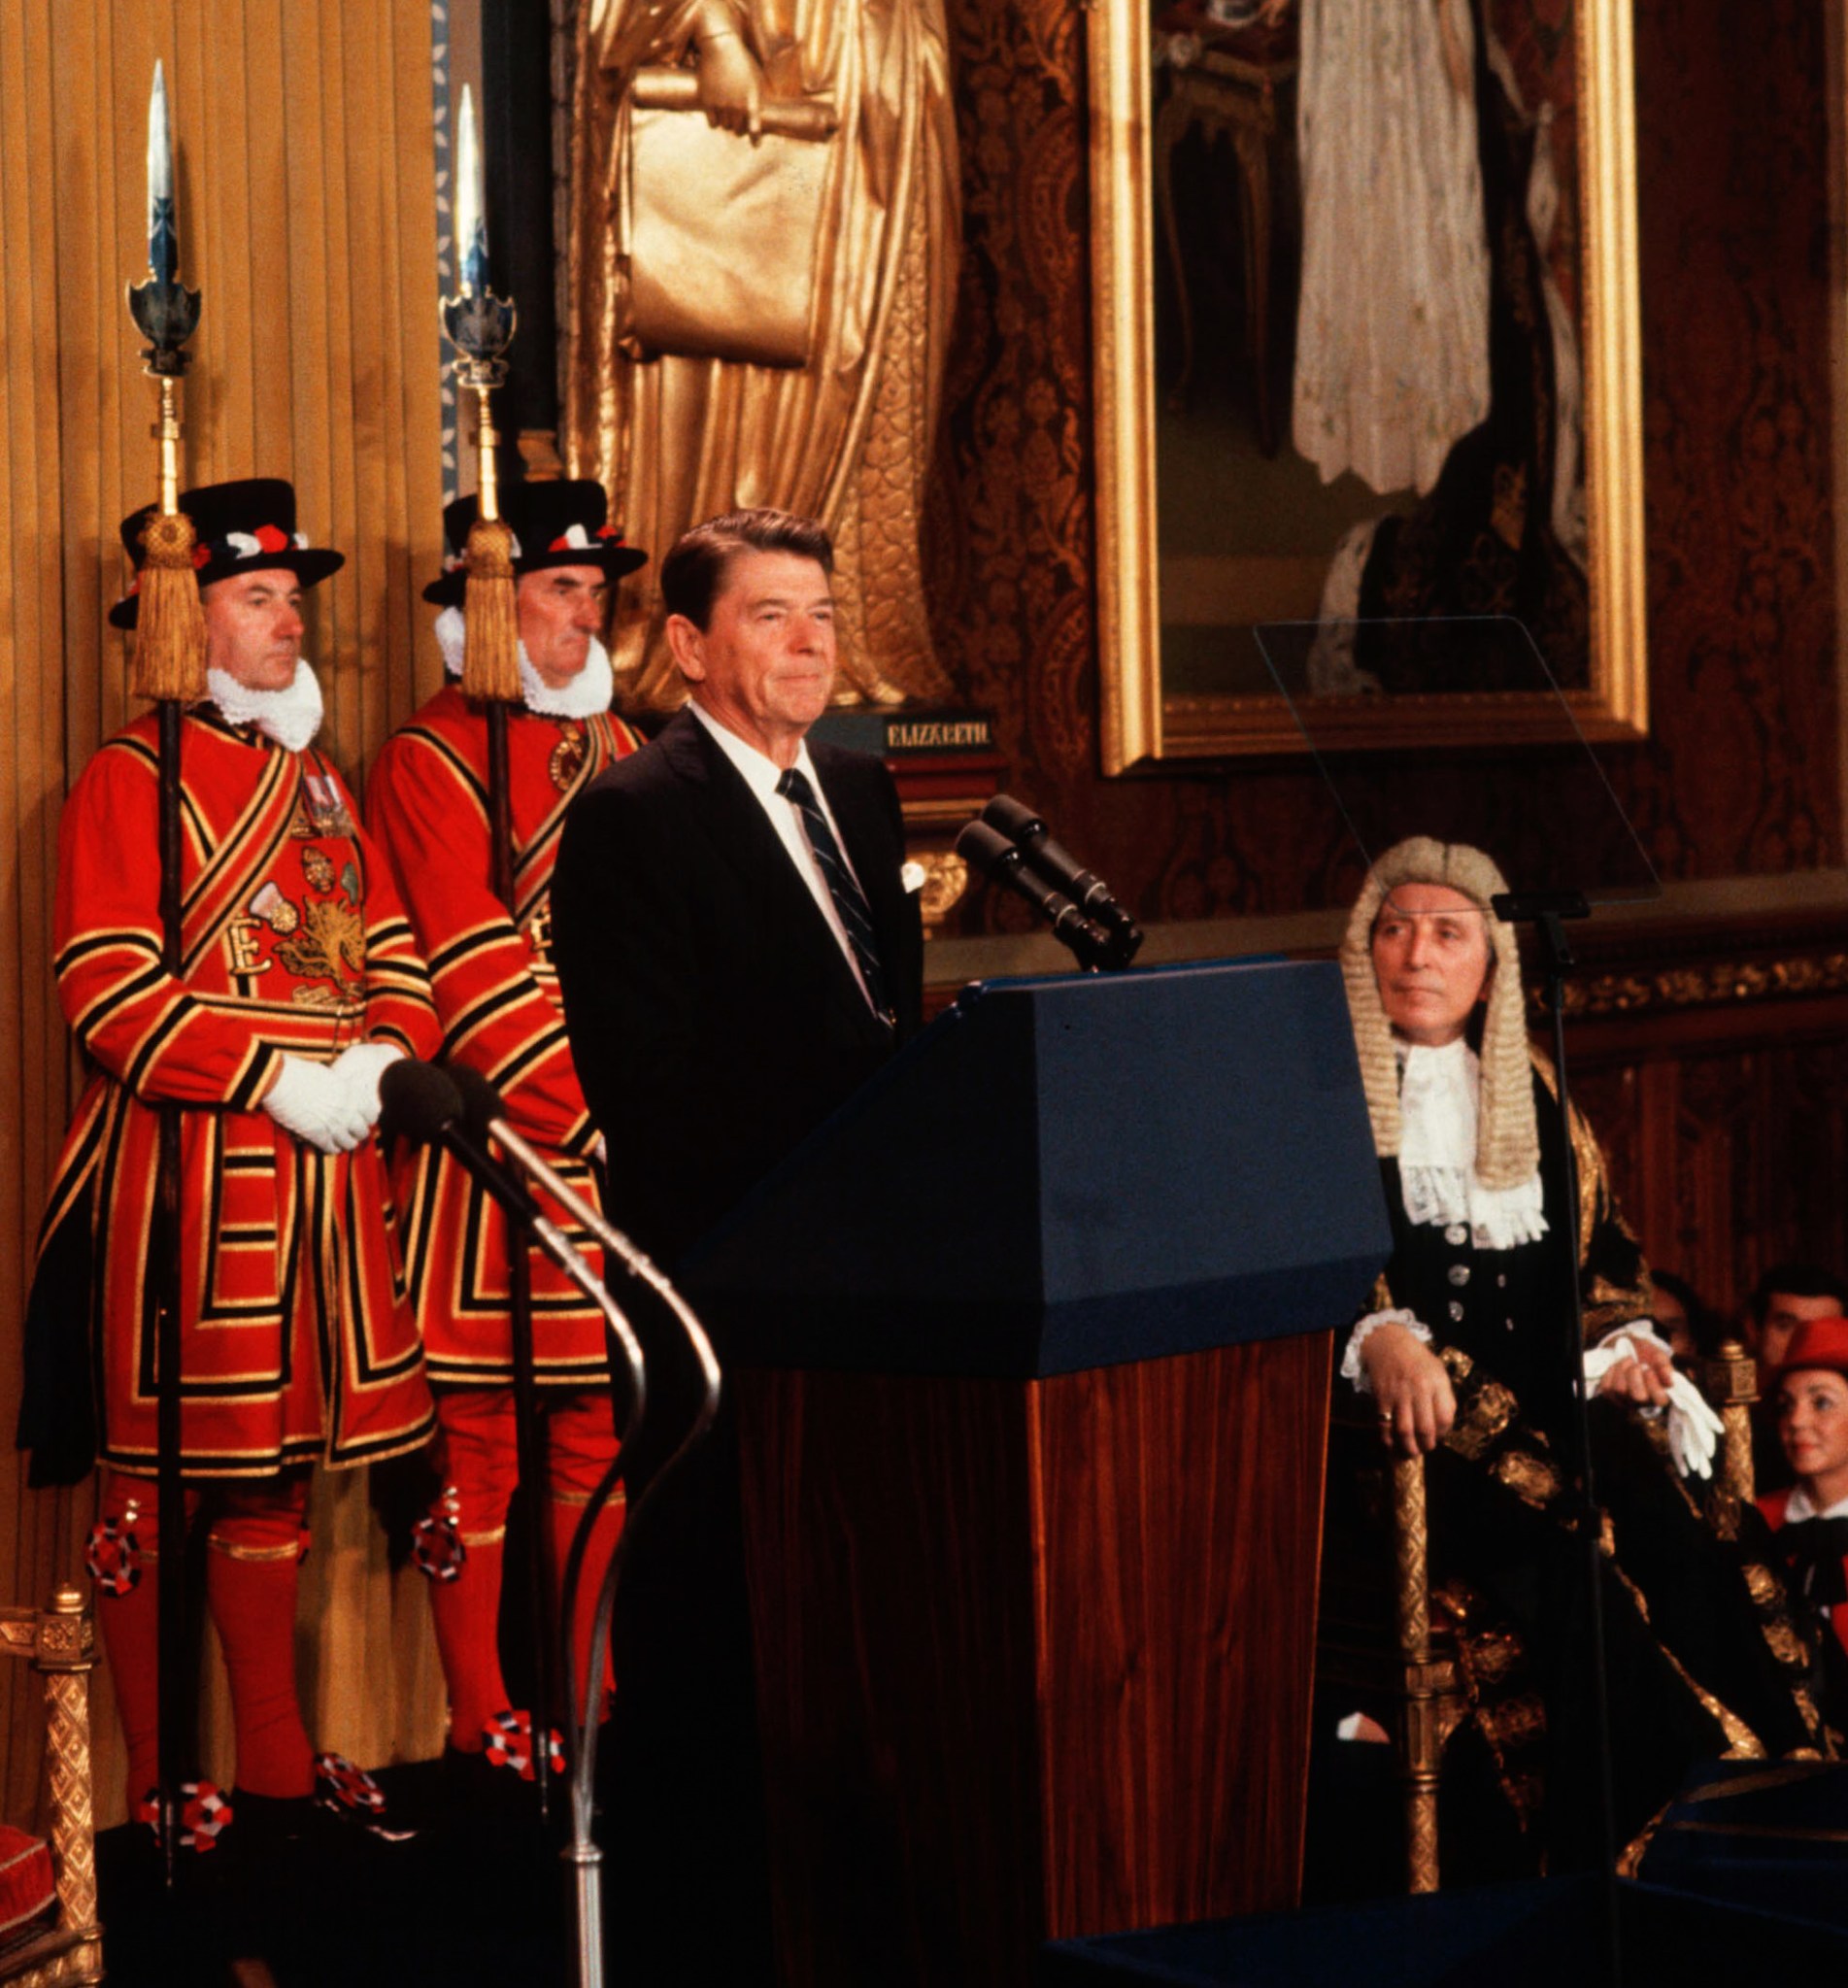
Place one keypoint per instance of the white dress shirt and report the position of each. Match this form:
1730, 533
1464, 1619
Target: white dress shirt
760, 775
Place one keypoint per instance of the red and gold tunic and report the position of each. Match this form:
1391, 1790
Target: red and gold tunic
498, 999
297, 1340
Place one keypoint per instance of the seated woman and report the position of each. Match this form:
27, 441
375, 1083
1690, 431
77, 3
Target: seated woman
1466, 1353
1810, 1520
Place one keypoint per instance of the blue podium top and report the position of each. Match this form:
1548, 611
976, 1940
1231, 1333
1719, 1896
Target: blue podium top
1067, 1172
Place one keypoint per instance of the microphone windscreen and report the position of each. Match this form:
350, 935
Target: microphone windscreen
1014, 819
417, 1100
983, 848
480, 1101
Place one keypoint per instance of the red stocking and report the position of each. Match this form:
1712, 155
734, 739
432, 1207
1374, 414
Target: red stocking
250, 1579
126, 1618
478, 1430
582, 1445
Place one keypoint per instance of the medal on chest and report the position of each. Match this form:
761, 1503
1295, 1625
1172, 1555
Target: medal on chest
567, 755
322, 810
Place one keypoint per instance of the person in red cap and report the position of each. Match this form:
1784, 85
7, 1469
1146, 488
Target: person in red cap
1810, 1392
301, 981
497, 995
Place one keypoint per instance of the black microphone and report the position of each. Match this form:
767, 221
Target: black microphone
421, 1103
1029, 833
984, 848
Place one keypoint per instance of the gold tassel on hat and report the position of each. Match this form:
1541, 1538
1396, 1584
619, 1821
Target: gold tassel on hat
169, 616
490, 655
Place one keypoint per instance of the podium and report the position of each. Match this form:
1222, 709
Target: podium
1030, 1348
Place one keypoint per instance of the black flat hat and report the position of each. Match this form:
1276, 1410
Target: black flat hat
240, 527
555, 523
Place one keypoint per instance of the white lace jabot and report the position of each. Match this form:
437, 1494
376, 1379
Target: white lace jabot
1438, 1093
291, 717
590, 691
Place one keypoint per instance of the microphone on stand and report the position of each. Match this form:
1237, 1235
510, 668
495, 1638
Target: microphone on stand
484, 1117
1001, 862
426, 1105
1030, 835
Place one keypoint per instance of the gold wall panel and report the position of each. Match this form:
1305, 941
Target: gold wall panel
307, 211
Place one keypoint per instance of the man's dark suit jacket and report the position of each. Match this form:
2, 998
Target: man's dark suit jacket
714, 1020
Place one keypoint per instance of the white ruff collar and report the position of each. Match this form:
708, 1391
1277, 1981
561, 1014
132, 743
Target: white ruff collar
590, 692
1438, 1102
291, 717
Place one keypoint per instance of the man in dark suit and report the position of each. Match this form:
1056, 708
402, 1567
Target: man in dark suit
737, 953
710, 952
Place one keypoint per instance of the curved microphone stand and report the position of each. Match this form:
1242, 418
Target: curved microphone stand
581, 1695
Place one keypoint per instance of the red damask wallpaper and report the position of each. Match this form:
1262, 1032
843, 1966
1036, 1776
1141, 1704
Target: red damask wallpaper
1740, 776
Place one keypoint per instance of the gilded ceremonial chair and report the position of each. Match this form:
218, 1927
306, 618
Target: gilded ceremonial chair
38, 1947
1729, 1381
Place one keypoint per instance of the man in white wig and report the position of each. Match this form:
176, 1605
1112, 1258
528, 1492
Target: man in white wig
1464, 1351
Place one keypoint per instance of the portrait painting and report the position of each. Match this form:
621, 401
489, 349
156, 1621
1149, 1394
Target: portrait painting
1364, 305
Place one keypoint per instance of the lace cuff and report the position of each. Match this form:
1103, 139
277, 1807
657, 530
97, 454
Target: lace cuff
1352, 1372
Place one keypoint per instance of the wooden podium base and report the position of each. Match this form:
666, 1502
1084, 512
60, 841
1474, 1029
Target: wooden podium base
1034, 1657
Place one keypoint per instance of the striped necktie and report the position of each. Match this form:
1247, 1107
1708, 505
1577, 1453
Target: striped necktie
850, 900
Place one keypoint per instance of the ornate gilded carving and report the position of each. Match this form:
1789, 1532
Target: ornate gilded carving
946, 878
1707, 984
60, 1644
67, 1754
701, 428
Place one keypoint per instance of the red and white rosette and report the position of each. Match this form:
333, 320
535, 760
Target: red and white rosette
346, 1789
205, 1814
436, 1540
509, 1737
112, 1554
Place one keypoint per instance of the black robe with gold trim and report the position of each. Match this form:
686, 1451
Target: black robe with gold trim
1703, 1660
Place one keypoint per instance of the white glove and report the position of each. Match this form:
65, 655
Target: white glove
311, 1101
359, 1069
1694, 1429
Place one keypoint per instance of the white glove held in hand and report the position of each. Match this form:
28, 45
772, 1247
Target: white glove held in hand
1694, 1429
311, 1101
359, 1069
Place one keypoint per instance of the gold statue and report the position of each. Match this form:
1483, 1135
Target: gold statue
762, 292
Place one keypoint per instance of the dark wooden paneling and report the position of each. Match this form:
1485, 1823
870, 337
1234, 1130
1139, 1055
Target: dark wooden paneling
1034, 1657
1181, 1522
1726, 1127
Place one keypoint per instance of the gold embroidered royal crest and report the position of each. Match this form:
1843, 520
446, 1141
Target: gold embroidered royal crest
331, 944
567, 755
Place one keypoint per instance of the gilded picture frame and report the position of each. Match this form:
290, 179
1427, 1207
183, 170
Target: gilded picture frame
1145, 724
